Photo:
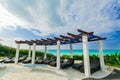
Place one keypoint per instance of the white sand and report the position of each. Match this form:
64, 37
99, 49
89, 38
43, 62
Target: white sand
19, 72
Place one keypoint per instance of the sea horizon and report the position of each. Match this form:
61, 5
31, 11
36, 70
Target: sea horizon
80, 52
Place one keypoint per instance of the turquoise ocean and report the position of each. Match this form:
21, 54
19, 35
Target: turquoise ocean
80, 52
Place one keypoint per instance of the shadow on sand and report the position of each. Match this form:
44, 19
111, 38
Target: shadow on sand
114, 75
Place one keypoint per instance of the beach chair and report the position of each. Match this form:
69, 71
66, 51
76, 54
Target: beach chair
40, 60
9, 60
12, 60
77, 65
47, 61
6, 58
22, 58
26, 61
54, 63
94, 66
67, 64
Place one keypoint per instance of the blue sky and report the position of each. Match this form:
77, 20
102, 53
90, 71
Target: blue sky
35, 19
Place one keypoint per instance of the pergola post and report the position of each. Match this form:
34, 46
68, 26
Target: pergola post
86, 55
102, 64
45, 54
33, 53
71, 52
58, 54
17, 53
29, 53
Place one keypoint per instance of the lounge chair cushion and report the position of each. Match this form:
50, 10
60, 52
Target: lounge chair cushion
77, 65
94, 66
67, 64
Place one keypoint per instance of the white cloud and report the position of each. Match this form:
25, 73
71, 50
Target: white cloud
58, 16
8, 20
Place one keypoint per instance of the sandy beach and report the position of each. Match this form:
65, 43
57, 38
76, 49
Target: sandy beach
20, 72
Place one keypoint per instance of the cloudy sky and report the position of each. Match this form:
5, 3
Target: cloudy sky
35, 19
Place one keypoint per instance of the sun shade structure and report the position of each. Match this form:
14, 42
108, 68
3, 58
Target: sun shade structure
82, 37
71, 38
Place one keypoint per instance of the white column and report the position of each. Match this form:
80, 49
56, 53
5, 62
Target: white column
58, 54
45, 54
86, 56
102, 64
33, 53
17, 53
29, 53
71, 55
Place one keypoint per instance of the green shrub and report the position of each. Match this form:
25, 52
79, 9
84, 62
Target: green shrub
50, 55
94, 57
65, 56
78, 57
110, 59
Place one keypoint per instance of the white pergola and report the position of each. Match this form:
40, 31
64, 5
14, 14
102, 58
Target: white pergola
83, 37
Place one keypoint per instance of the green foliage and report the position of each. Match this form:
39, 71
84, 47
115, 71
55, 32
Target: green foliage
78, 57
9, 51
65, 56
110, 59
94, 57
50, 55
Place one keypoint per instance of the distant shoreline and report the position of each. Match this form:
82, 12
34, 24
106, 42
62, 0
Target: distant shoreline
79, 52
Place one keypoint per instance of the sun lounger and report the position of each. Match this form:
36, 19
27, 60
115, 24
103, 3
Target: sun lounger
49, 60
77, 65
22, 58
94, 66
19, 60
27, 61
46, 60
9, 60
67, 64
2, 60
54, 63
40, 60
12, 60
6, 58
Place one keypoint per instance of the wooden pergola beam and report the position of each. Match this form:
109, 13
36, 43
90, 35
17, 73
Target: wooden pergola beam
44, 40
33, 41
65, 37
49, 39
56, 38
38, 40
84, 32
71, 38
27, 41
17, 42
71, 35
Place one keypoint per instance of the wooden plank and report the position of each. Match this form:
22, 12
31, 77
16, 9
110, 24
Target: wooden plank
84, 32
72, 35
56, 38
49, 39
43, 40
65, 37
